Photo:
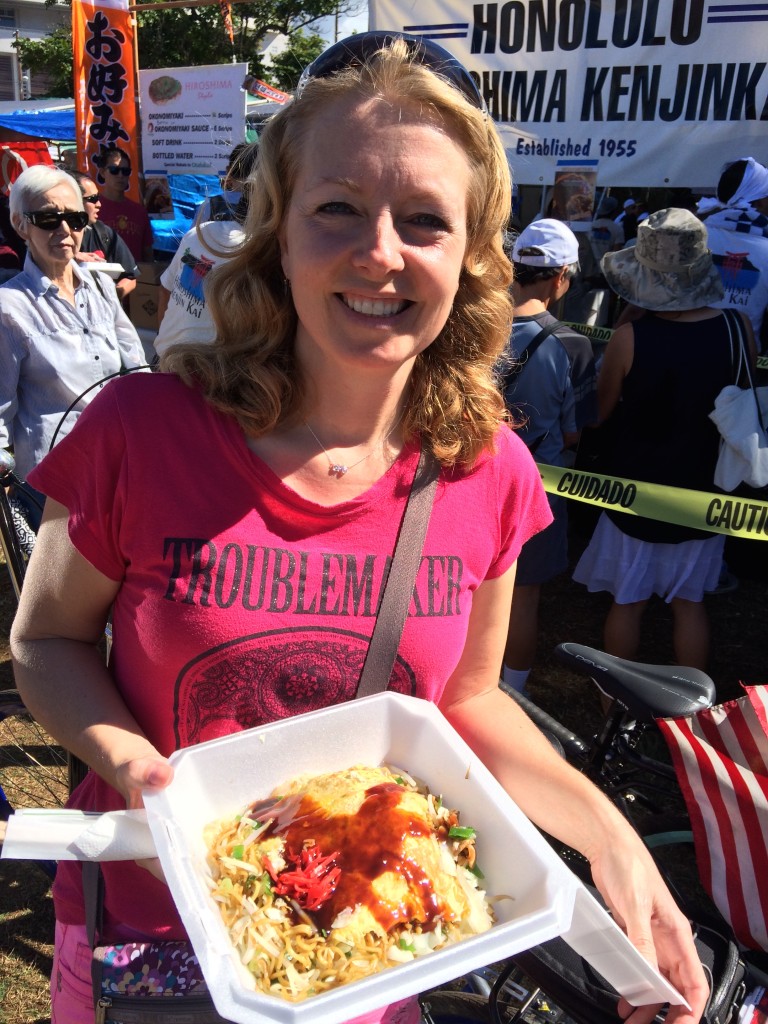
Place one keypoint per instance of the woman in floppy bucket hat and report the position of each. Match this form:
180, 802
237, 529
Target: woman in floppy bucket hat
658, 382
668, 268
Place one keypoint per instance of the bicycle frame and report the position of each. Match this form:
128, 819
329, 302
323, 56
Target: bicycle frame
610, 759
13, 552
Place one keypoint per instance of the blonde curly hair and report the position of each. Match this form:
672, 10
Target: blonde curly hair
453, 401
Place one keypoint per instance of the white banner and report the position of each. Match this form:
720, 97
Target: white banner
644, 92
191, 118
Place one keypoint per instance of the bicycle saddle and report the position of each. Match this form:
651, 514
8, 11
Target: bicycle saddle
647, 691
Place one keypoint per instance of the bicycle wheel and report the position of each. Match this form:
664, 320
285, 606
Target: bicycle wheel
34, 770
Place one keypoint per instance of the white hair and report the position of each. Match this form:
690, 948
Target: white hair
32, 184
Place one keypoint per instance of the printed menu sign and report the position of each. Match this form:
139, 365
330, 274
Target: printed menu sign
191, 118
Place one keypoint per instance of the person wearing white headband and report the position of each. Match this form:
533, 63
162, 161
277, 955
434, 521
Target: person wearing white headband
737, 234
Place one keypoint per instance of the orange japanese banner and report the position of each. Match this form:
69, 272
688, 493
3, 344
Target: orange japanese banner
103, 42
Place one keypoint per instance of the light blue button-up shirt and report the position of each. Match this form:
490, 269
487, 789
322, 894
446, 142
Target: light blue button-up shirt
51, 351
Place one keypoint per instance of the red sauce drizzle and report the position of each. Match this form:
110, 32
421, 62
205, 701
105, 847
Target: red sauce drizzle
370, 842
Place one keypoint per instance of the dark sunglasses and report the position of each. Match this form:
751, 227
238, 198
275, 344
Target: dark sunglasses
125, 171
95, 198
50, 220
358, 49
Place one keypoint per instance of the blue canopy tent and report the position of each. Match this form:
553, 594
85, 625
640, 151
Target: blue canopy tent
57, 125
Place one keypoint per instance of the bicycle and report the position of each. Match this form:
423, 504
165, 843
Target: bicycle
550, 983
16, 536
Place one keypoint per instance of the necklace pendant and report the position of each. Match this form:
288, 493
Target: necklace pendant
337, 469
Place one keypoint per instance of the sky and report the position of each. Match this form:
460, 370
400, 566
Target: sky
347, 25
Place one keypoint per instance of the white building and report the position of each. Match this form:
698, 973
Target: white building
30, 19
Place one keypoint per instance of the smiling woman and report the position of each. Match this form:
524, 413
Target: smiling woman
357, 330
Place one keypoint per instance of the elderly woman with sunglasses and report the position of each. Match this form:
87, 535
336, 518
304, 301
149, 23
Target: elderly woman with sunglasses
62, 328
357, 331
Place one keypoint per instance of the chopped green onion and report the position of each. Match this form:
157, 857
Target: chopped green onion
461, 832
226, 884
476, 871
408, 946
238, 852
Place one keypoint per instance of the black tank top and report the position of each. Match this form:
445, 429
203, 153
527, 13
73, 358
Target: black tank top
660, 431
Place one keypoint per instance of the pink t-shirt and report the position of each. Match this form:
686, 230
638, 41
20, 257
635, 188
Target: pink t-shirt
131, 221
241, 602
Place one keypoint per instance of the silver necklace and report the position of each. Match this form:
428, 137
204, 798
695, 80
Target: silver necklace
340, 469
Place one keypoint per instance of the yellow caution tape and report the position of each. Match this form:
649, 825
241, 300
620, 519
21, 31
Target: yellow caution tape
716, 513
590, 331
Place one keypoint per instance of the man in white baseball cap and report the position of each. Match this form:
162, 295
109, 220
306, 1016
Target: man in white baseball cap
550, 389
546, 243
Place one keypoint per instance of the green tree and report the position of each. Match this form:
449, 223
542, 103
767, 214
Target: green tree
182, 37
286, 67
51, 56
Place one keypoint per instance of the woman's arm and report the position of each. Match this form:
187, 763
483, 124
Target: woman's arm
616, 364
565, 804
60, 671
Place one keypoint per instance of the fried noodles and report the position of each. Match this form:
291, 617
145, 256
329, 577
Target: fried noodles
341, 875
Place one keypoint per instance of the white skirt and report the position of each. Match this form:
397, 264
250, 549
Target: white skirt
632, 570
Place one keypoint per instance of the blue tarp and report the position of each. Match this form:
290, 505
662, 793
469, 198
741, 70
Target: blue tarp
188, 191
53, 125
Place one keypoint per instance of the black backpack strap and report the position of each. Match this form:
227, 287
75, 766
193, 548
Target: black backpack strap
528, 351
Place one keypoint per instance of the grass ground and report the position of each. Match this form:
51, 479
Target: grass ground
740, 652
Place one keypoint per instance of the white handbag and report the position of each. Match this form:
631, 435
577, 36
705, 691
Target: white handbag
740, 415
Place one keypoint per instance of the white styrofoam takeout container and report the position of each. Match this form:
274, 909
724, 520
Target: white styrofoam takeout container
222, 776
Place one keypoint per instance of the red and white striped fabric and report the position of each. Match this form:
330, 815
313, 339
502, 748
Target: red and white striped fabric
721, 760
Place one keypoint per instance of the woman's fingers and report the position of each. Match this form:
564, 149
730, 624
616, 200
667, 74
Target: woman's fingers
148, 772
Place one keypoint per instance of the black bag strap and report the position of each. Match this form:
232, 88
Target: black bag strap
401, 577
93, 894
735, 326
528, 351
